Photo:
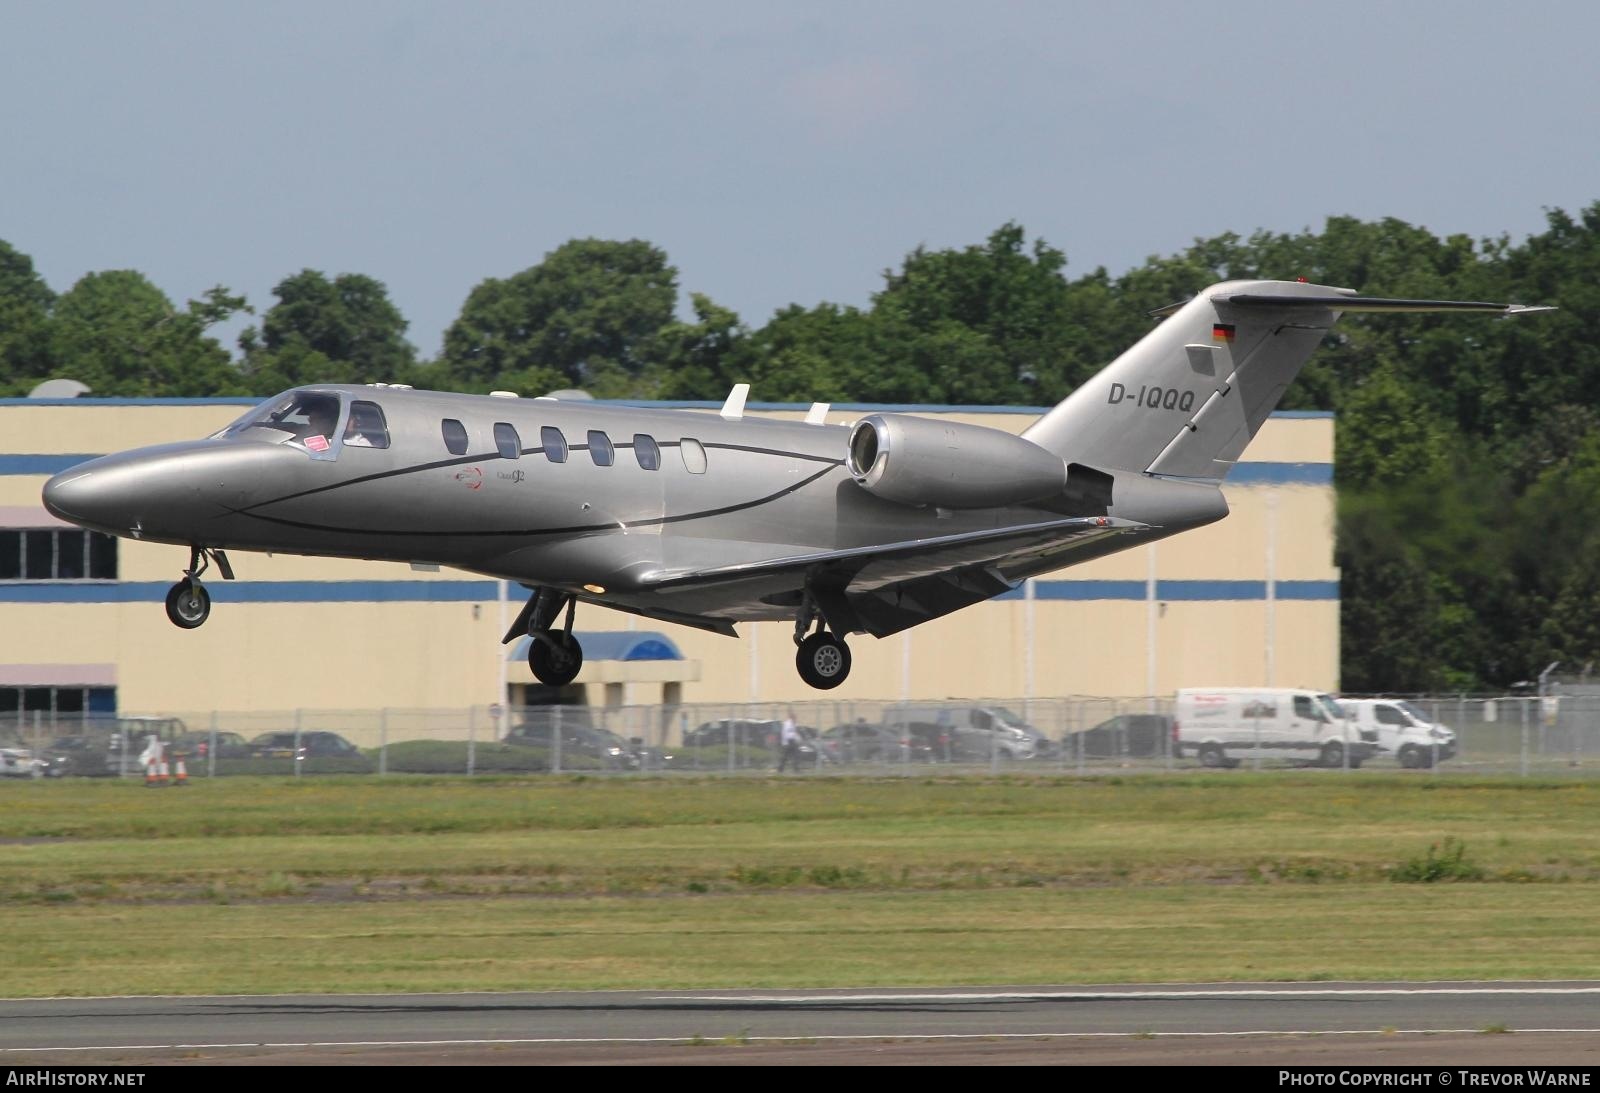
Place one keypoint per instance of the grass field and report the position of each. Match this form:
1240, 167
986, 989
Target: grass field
259, 885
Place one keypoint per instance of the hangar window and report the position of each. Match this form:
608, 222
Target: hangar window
19, 702
646, 451
52, 554
600, 449
555, 445
455, 436
367, 427
694, 455
507, 440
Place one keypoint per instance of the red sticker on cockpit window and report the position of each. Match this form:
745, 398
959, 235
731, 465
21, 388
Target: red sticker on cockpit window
317, 442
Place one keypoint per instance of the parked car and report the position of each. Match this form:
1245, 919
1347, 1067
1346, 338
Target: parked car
582, 745
969, 733
17, 759
106, 747
206, 745
1129, 735
1401, 731
861, 742
314, 750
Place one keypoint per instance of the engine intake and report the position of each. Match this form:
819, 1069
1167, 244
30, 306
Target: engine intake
917, 461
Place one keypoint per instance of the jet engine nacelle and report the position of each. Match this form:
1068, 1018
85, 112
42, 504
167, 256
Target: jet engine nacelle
916, 461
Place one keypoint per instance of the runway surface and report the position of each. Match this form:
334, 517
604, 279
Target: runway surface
1450, 1024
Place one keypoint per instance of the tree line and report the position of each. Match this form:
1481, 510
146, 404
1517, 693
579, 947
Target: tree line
1468, 449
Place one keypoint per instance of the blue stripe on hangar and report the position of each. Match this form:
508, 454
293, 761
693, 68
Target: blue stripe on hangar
488, 591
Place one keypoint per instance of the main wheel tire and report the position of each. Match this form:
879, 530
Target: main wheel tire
556, 662
1213, 757
188, 604
823, 661
1333, 754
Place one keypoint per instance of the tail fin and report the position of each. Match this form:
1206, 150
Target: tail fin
1190, 395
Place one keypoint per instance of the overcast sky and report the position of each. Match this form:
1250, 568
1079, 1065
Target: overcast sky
779, 152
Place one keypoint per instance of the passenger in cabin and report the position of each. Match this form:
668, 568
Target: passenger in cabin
355, 432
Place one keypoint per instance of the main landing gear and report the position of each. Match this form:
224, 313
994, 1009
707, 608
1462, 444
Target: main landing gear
823, 659
554, 656
188, 602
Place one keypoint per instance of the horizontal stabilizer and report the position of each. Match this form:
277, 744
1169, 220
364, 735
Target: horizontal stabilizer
1376, 304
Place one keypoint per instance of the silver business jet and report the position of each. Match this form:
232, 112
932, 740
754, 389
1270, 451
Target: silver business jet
712, 519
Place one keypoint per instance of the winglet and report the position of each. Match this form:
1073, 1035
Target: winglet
818, 414
733, 409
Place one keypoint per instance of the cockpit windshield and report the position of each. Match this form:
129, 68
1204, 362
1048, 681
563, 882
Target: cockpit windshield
307, 418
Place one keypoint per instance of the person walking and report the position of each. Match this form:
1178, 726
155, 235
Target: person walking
790, 741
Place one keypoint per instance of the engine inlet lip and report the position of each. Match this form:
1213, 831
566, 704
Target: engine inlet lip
878, 450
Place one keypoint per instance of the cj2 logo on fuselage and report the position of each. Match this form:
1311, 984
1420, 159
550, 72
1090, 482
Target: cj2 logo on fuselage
1152, 398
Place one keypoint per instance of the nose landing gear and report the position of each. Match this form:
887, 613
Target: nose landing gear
188, 602
554, 656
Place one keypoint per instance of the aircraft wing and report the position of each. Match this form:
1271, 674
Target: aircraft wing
888, 588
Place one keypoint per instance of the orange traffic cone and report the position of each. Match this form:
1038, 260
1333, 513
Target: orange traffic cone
151, 776
180, 773
161, 772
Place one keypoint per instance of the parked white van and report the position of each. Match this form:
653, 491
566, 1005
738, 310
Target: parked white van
1223, 725
1401, 731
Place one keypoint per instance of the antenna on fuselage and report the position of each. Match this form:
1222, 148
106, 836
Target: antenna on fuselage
733, 409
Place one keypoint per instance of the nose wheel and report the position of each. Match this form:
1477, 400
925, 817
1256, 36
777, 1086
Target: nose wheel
188, 602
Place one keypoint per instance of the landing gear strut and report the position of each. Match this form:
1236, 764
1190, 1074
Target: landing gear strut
554, 656
188, 602
823, 659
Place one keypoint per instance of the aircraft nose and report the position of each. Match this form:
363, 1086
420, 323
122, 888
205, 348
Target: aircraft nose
161, 492
70, 495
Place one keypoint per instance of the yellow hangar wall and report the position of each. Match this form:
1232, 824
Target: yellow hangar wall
1250, 600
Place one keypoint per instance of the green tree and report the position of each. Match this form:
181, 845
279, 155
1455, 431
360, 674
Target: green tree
120, 334
343, 330
25, 302
591, 310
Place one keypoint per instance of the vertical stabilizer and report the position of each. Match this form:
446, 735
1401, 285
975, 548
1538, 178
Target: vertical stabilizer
1188, 397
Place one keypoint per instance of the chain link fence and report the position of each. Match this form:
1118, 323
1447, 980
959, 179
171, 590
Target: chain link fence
1555, 733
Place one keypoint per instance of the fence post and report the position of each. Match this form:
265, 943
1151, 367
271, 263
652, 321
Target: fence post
1524, 705
383, 741
297, 762
211, 748
472, 740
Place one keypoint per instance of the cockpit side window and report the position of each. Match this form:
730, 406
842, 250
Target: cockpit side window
455, 436
367, 427
507, 441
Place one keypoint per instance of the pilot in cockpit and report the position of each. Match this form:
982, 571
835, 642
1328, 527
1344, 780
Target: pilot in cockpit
323, 414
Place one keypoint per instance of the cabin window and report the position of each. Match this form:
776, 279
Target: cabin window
50, 554
646, 451
694, 456
600, 449
455, 436
367, 427
507, 440
555, 445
